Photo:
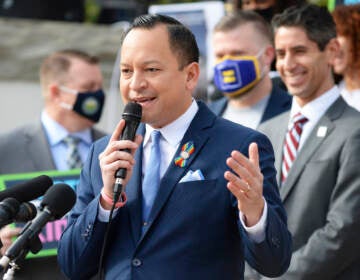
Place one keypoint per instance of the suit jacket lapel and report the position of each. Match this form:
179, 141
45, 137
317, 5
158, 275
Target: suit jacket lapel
133, 191
174, 173
310, 146
38, 148
96, 134
306, 152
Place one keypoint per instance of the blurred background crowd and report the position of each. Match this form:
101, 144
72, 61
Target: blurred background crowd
33, 32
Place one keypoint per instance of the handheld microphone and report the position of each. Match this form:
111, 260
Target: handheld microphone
132, 116
8, 209
28, 190
12, 211
27, 211
57, 201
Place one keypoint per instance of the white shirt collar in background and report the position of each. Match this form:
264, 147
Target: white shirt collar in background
314, 110
56, 133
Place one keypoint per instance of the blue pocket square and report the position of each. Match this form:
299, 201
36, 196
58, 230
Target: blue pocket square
192, 176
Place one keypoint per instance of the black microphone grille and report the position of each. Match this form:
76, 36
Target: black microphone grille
59, 199
132, 110
10, 205
40, 185
27, 211
28, 190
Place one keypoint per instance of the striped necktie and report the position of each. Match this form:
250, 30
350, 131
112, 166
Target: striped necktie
291, 146
73, 158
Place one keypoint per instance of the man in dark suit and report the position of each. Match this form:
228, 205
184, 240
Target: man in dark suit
243, 44
318, 157
216, 203
71, 83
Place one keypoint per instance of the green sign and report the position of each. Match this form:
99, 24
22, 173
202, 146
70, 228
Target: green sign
51, 233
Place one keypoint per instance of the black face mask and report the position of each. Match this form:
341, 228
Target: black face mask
90, 104
266, 13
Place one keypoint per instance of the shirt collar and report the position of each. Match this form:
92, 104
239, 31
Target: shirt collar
56, 132
174, 132
315, 109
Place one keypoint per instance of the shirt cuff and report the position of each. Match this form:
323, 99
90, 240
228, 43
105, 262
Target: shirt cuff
256, 232
103, 214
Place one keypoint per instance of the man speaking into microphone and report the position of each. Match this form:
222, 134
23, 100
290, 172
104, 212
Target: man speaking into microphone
199, 195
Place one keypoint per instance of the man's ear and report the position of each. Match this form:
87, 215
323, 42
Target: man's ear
332, 50
192, 75
269, 55
53, 90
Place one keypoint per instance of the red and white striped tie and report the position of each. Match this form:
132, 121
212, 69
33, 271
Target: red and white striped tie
291, 146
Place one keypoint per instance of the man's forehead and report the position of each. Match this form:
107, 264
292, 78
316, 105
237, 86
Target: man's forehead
145, 39
295, 33
159, 29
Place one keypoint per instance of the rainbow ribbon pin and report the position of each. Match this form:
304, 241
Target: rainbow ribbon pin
186, 150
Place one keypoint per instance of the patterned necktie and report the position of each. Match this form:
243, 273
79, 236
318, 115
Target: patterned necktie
73, 158
151, 180
291, 146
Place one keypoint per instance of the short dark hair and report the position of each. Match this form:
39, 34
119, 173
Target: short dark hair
238, 18
181, 40
316, 21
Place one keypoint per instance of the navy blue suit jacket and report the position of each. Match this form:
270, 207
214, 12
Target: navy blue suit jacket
194, 230
279, 102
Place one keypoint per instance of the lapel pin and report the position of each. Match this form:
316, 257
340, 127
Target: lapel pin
186, 150
321, 132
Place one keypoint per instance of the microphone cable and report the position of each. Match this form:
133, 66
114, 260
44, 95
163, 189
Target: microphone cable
101, 273
132, 115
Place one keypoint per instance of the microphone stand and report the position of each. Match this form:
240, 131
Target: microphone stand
34, 246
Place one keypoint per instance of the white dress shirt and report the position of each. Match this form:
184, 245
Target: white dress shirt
313, 111
170, 139
56, 133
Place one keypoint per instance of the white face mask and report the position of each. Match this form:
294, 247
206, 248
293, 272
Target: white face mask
67, 90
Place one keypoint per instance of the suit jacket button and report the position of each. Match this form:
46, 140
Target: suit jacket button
276, 242
136, 262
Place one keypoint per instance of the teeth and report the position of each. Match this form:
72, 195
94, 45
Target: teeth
145, 100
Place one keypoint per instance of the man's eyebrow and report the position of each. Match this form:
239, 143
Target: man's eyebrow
144, 63
297, 47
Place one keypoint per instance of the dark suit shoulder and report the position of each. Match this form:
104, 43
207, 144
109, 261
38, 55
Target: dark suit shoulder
97, 133
221, 130
279, 101
235, 134
218, 106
